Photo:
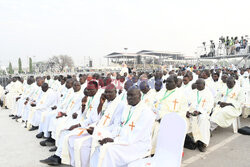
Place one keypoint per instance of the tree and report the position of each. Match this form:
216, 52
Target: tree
20, 70
10, 69
60, 62
30, 65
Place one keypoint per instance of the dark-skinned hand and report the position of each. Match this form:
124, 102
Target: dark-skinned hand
74, 115
84, 100
18, 98
60, 114
33, 105
26, 102
222, 104
188, 114
196, 113
106, 140
90, 130
102, 98
74, 126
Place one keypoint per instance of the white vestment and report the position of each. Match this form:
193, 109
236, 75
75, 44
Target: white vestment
80, 147
166, 102
225, 116
132, 139
28, 93
202, 101
47, 101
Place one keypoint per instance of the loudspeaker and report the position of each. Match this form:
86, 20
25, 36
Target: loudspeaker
90, 63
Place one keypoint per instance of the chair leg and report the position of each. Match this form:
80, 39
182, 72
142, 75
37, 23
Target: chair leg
238, 123
235, 126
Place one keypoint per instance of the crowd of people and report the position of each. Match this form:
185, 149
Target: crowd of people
112, 119
226, 46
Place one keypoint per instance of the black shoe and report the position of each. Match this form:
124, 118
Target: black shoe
53, 149
50, 143
43, 143
15, 117
39, 135
18, 117
49, 140
189, 143
33, 128
11, 115
201, 146
6, 107
53, 160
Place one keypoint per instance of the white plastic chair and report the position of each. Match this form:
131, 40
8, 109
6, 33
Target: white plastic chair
236, 124
247, 104
170, 143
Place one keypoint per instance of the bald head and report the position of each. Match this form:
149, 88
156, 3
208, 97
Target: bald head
230, 82
45, 87
158, 85
69, 83
144, 87
110, 92
76, 86
171, 82
200, 84
133, 96
40, 81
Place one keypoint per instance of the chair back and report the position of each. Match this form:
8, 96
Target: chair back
170, 141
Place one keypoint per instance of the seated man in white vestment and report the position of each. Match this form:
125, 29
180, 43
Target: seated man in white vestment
145, 91
80, 147
228, 105
15, 88
127, 140
28, 91
209, 81
48, 100
169, 100
105, 110
89, 99
35, 97
201, 105
72, 111
56, 111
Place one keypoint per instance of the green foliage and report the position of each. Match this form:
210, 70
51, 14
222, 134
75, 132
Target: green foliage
10, 69
20, 70
30, 65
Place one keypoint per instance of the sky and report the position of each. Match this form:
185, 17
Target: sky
94, 28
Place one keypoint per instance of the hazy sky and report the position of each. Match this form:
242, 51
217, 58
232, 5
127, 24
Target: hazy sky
95, 28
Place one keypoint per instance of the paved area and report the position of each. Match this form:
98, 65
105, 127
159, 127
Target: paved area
20, 148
